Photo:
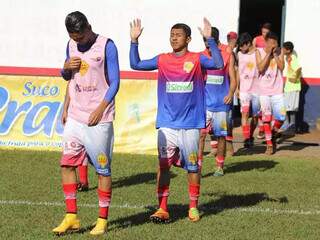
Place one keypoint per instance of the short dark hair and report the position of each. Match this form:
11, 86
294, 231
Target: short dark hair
288, 45
244, 38
266, 25
184, 27
272, 35
76, 22
215, 33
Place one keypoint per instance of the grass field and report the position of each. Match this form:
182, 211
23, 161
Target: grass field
260, 197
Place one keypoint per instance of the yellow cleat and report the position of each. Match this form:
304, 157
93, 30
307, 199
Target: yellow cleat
160, 216
69, 223
194, 215
100, 228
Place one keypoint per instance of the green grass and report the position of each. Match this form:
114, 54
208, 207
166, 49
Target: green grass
259, 198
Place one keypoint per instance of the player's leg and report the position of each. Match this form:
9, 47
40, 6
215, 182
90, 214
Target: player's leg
245, 99
202, 140
167, 154
266, 109
72, 156
279, 114
256, 113
99, 146
229, 138
187, 142
83, 184
220, 131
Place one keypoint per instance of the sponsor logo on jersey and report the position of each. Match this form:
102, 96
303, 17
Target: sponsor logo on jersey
179, 87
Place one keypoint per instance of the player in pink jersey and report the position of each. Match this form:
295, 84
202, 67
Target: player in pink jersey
270, 62
248, 83
260, 41
92, 69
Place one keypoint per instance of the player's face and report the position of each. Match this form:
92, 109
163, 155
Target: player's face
286, 51
232, 43
81, 38
271, 43
245, 47
178, 39
264, 32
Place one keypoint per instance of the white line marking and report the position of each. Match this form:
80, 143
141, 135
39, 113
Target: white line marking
127, 206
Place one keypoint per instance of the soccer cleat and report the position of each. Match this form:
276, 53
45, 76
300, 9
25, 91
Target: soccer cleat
160, 216
270, 150
261, 135
100, 228
219, 172
69, 223
229, 149
194, 215
83, 187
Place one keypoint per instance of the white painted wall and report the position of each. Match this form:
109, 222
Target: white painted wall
302, 28
33, 32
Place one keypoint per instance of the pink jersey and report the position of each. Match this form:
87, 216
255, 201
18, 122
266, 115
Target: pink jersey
260, 42
271, 81
248, 72
89, 85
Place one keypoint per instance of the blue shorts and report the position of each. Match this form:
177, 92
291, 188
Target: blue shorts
81, 142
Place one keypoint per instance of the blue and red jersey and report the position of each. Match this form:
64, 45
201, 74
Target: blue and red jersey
218, 85
181, 97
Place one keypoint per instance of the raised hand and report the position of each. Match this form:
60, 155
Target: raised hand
135, 30
206, 30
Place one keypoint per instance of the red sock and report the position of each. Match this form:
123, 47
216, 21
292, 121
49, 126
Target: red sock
163, 194
268, 133
83, 174
220, 161
260, 124
194, 190
70, 195
229, 138
104, 202
214, 144
277, 125
246, 131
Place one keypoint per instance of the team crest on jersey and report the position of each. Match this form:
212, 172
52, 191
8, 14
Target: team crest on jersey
188, 66
83, 68
102, 160
193, 159
250, 65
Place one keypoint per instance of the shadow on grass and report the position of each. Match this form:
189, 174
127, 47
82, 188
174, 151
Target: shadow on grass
149, 178
256, 149
260, 165
179, 212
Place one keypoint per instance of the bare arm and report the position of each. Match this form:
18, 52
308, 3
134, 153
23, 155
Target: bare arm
233, 81
263, 64
66, 105
279, 59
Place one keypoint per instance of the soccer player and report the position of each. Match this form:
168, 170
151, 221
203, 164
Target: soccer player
248, 82
260, 41
232, 38
181, 108
219, 90
270, 62
292, 86
92, 69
